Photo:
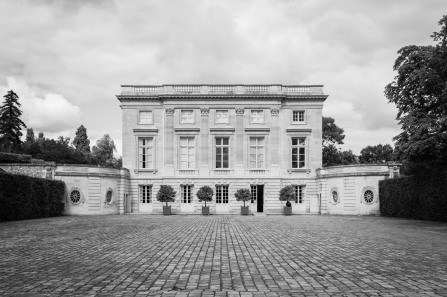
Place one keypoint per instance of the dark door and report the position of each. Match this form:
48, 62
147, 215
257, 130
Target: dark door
260, 197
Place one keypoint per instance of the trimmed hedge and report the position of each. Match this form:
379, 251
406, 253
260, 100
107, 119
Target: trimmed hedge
24, 197
14, 158
421, 197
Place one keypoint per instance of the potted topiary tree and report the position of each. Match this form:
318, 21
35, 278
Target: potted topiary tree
287, 194
243, 195
166, 194
205, 193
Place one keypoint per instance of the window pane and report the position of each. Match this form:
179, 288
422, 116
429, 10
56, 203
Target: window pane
225, 141
294, 141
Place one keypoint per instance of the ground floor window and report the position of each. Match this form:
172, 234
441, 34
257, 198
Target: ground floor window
253, 193
145, 194
186, 193
222, 194
299, 194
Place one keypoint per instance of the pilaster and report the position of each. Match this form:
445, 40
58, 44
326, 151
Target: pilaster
239, 145
169, 142
204, 136
275, 140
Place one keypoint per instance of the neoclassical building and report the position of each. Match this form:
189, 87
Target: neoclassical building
260, 137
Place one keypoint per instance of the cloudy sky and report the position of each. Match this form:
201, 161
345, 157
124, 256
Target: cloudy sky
67, 59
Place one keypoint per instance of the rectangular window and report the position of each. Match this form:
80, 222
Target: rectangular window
299, 194
145, 194
222, 152
146, 152
187, 117
186, 194
187, 153
222, 194
145, 117
298, 152
253, 193
222, 117
256, 152
298, 116
257, 117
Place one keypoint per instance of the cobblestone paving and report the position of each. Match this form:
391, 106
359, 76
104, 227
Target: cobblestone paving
142, 255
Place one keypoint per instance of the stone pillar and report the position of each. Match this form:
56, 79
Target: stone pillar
169, 142
204, 138
239, 142
275, 147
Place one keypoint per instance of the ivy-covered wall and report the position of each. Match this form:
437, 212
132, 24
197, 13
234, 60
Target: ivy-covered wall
23, 197
421, 197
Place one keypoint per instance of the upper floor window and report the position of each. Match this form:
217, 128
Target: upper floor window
187, 117
298, 116
299, 194
222, 117
222, 194
257, 117
145, 194
145, 117
146, 152
186, 193
222, 152
256, 152
298, 152
187, 153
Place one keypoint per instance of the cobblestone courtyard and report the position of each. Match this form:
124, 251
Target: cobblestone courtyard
223, 255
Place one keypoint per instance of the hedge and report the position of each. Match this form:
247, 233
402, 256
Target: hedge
422, 197
14, 158
23, 197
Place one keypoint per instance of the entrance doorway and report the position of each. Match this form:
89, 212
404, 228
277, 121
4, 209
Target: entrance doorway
259, 198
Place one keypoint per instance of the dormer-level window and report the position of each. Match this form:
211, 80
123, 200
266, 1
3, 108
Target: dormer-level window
222, 117
145, 117
257, 117
298, 116
187, 117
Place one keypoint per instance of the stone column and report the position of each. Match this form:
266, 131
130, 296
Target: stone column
169, 142
239, 142
275, 147
204, 139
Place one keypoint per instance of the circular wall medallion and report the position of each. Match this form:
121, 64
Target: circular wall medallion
368, 196
109, 196
75, 197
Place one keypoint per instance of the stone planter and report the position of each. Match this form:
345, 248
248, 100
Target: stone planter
245, 210
167, 210
287, 210
205, 210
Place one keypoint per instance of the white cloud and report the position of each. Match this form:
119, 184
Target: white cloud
48, 113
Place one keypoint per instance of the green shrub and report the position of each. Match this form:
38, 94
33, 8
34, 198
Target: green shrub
242, 195
166, 194
420, 197
287, 193
14, 158
23, 197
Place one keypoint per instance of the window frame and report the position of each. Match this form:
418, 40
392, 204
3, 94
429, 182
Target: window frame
228, 116
186, 197
256, 146
139, 167
145, 199
222, 195
216, 147
263, 116
298, 121
139, 117
193, 146
299, 199
193, 121
298, 146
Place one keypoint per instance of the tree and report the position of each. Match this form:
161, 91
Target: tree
205, 193
81, 141
166, 194
30, 138
242, 195
287, 193
103, 151
10, 122
376, 154
333, 136
420, 93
